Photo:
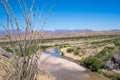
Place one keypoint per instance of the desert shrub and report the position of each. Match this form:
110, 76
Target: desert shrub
108, 57
112, 75
82, 61
44, 47
106, 54
101, 54
76, 52
56, 44
93, 63
70, 50
63, 45
99, 42
111, 48
78, 48
119, 48
62, 53
101, 71
116, 43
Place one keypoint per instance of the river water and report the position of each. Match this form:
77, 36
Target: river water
65, 69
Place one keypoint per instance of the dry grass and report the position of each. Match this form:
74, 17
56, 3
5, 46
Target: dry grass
7, 71
6, 68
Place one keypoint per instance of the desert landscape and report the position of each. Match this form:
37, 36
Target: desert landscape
59, 40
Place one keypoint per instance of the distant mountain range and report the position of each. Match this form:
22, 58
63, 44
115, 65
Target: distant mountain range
59, 31
115, 30
68, 31
11, 31
76, 33
65, 31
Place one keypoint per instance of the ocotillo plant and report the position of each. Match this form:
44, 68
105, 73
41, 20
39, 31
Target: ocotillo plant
25, 42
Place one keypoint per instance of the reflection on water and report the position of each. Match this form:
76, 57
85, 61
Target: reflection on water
56, 53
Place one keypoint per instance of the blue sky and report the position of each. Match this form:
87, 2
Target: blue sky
76, 14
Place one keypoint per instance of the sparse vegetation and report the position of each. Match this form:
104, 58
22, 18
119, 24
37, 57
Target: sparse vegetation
106, 54
44, 47
76, 52
24, 41
70, 50
110, 74
63, 45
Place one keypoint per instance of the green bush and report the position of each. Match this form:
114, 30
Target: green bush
70, 50
93, 63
